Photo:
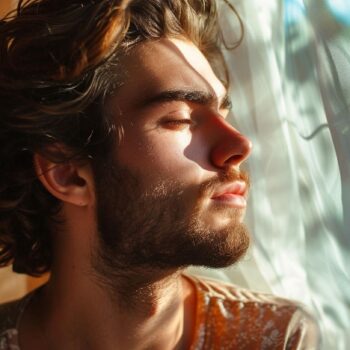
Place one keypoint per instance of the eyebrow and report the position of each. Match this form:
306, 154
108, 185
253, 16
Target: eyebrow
199, 97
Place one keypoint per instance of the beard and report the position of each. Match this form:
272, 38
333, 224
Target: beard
164, 226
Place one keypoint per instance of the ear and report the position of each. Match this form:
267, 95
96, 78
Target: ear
71, 182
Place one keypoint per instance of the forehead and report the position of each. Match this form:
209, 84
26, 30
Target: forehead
165, 64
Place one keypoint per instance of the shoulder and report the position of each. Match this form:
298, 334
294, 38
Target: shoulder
232, 293
262, 320
10, 314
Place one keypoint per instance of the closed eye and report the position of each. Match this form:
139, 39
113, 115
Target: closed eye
177, 124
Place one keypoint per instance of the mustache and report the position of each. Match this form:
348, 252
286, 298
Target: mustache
209, 186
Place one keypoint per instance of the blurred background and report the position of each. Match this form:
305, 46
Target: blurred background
13, 286
291, 96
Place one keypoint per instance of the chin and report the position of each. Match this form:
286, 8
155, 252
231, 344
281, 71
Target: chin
213, 249
213, 258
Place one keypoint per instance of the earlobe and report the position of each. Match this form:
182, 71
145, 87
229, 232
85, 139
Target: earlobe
68, 181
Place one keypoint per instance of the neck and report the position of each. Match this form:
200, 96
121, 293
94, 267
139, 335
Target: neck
80, 309
148, 312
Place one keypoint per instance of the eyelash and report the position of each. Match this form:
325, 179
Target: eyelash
177, 123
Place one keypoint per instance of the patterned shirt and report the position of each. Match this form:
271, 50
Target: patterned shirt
227, 317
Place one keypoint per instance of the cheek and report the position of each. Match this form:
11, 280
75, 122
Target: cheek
160, 155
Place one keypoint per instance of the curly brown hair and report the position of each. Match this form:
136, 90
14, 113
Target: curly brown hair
58, 62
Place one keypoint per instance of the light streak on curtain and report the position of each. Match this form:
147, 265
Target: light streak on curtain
291, 94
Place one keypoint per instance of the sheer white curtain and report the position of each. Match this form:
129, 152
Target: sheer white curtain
291, 94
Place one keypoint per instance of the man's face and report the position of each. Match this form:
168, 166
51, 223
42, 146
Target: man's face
173, 195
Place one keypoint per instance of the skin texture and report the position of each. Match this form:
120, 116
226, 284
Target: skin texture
131, 226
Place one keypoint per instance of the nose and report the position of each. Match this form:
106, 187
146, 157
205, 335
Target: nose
231, 147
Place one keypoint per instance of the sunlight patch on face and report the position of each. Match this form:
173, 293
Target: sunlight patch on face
198, 62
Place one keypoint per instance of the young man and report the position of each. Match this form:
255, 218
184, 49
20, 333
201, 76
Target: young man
120, 170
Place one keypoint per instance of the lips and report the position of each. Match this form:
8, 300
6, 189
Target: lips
235, 188
233, 194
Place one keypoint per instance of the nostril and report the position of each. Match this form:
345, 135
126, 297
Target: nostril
231, 149
234, 159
